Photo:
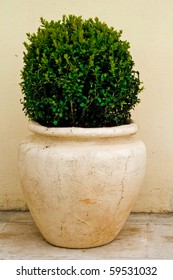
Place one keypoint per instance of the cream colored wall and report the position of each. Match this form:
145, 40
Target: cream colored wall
148, 25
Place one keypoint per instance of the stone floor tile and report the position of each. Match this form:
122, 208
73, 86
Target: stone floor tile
19, 239
138, 218
15, 216
160, 219
131, 243
160, 241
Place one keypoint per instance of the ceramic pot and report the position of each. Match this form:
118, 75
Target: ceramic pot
80, 184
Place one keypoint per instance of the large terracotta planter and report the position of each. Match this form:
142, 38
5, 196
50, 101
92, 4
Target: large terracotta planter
80, 184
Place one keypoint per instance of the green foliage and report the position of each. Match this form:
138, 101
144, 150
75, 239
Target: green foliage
78, 73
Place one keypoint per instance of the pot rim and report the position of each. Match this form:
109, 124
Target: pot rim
80, 132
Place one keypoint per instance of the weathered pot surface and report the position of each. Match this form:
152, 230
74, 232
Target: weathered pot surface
80, 184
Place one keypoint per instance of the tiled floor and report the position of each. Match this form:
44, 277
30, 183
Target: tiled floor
144, 236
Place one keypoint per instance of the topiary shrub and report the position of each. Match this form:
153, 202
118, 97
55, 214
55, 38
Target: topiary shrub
78, 73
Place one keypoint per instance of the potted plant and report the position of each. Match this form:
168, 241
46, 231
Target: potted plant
82, 167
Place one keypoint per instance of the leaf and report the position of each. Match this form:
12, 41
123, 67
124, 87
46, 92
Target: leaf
55, 123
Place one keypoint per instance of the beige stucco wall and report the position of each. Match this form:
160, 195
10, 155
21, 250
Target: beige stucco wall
148, 25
